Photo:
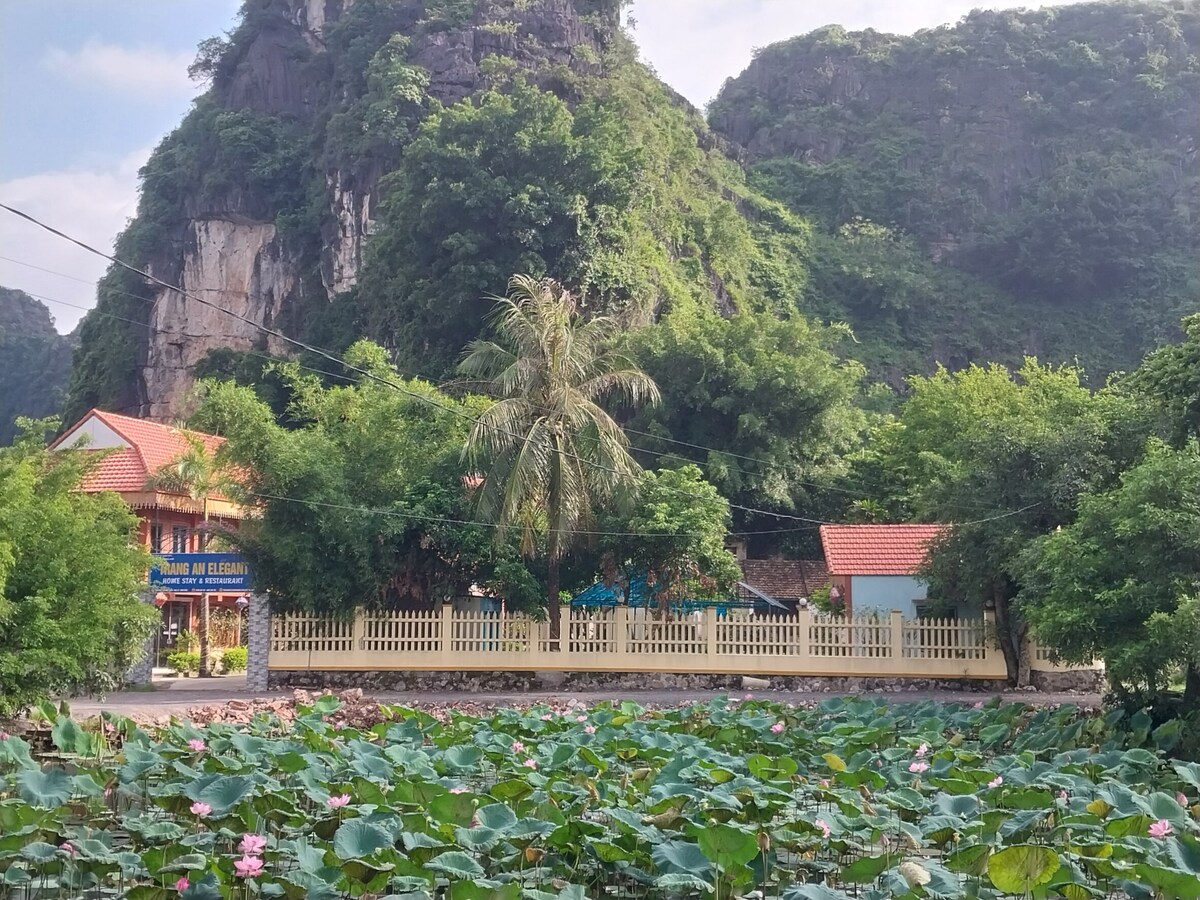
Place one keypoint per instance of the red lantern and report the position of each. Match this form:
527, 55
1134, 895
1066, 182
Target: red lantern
160, 599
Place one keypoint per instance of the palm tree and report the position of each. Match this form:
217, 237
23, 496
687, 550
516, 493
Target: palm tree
197, 474
551, 452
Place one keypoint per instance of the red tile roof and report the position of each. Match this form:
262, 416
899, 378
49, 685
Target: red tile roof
152, 445
877, 549
785, 579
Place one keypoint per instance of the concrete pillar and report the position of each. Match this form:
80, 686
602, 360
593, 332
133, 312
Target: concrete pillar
258, 642
142, 671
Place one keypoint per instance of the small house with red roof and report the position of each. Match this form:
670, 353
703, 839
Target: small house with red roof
130, 452
875, 567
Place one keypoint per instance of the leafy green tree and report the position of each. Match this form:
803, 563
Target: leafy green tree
675, 536
1005, 456
361, 494
1170, 378
488, 189
197, 474
70, 573
769, 397
551, 452
1122, 582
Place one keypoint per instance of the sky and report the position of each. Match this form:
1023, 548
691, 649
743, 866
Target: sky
89, 87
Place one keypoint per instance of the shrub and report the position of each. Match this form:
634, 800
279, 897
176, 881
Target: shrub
184, 662
234, 659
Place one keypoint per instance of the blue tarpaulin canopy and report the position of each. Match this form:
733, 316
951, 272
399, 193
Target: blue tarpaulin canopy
640, 596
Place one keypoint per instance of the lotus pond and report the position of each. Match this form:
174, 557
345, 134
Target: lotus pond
728, 799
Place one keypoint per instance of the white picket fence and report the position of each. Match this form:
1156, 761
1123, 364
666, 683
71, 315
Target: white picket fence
624, 640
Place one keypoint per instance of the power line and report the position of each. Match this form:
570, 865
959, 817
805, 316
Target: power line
820, 486
398, 387
450, 521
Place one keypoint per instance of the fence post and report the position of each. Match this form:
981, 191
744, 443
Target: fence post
897, 623
446, 629
804, 637
258, 643
142, 671
358, 631
620, 629
710, 633
564, 632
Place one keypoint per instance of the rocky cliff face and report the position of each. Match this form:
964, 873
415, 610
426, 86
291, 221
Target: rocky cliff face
282, 64
263, 201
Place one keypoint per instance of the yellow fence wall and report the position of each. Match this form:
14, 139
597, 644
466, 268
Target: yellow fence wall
623, 640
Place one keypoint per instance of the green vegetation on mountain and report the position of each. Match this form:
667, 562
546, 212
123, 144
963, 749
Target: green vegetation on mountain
1022, 182
36, 362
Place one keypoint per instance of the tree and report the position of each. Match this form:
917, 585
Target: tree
360, 492
1122, 582
70, 573
769, 397
675, 537
198, 474
489, 188
1005, 456
1170, 378
552, 453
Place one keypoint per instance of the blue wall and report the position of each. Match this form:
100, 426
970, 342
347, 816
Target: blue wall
885, 593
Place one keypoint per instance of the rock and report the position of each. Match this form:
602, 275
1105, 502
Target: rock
749, 683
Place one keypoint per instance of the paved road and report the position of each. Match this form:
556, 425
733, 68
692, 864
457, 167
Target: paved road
175, 698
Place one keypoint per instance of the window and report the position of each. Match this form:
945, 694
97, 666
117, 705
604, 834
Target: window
179, 539
156, 538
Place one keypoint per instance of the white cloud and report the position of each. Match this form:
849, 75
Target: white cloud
90, 204
696, 44
147, 72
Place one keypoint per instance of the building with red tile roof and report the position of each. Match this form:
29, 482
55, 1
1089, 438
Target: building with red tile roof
875, 567
785, 580
128, 453
877, 549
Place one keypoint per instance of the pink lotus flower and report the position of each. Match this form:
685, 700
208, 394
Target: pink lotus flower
922, 750
252, 844
1181, 798
517, 747
749, 696
918, 766
1161, 829
338, 802
67, 848
1063, 795
824, 782
459, 790
581, 718
589, 729
338, 726
777, 728
4, 735
547, 717
530, 763
978, 705
198, 745
996, 782
182, 884
201, 809
247, 866
824, 826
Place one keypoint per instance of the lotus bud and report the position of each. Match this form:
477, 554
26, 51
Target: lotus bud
914, 875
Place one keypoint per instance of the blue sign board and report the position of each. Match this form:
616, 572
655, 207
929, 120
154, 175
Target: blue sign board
200, 572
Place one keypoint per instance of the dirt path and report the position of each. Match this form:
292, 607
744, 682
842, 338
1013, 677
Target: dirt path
178, 697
